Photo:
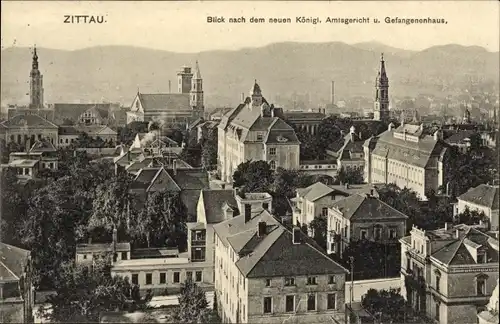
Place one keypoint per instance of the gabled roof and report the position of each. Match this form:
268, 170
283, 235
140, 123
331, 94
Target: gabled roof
12, 262
42, 146
68, 130
214, 200
366, 207
315, 191
96, 130
482, 195
459, 137
164, 101
161, 178
273, 254
22, 121
72, 111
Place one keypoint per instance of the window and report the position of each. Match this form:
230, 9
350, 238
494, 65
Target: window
438, 280
311, 302
268, 305
289, 281
392, 233
377, 233
324, 211
84, 256
331, 301
259, 137
272, 164
124, 256
363, 234
163, 277
176, 277
438, 304
189, 275
149, 278
135, 279
331, 280
272, 151
481, 257
481, 286
268, 282
290, 303
198, 277
311, 280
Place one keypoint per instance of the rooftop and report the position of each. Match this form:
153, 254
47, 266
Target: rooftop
484, 195
148, 262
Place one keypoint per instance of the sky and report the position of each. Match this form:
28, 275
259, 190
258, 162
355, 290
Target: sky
182, 26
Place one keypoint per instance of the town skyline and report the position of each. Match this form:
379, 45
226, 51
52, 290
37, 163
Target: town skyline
123, 28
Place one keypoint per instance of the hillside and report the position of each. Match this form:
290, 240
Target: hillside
115, 73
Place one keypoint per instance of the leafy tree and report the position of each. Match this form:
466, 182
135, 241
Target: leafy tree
82, 293
406, 201
191, 153
253, 176
471, 217
7, 148
209, 151
310, 148
319, 226
13, 206
126, 135
350, 175
386, 304
193, 305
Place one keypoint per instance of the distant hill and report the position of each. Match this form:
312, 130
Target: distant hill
114, 73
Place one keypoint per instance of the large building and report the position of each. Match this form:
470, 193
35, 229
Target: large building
267, 273
253, 131
407, 157
172, 110
449, 274
16, 289
23, 128
348, 150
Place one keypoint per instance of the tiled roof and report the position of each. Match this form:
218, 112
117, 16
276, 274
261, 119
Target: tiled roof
42, 146
219, 112
213, 200
12, 261
273, 254
102, 247
68, 130
190, 179
72, 112
21, 121
413, 153
459, 137
96, 130
365, 207
352, 189
164, 101
159, 178
483, 195
315, 191
303, 115
23, 163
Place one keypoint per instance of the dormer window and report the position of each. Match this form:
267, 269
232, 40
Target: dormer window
481, 257
259, 137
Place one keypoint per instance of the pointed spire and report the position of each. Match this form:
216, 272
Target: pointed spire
382, 66
197, 73
35, 59
255, 89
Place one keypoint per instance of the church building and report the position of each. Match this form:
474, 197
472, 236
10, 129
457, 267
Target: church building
381, 105
172, 110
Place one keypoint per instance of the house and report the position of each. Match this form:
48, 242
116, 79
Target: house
16, 288
22, 128
87, 253
186, 182
314, 201
102, 132
348, 150
483, 198
68, 135
205, 130
407, 157
82, 113
462, 140
363, 217
305, 121
214, 206
268, 273
217, 113
252, 131
449, 274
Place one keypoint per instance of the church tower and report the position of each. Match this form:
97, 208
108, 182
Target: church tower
256, 95
196, 93
36, 84
184, 80
381, 107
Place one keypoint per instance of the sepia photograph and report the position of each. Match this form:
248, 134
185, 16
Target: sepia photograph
266, 162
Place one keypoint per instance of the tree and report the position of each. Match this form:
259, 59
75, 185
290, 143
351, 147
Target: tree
253, 176
386, 304
13, 206
209, 151
319, 226
7, 148
471, 217
406, 201
82, 293
193, 305
350, 175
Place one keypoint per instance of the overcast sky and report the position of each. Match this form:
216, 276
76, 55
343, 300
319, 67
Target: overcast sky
182, 26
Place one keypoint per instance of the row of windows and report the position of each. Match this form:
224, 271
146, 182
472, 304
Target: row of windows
292, 303
290, 281
176, 278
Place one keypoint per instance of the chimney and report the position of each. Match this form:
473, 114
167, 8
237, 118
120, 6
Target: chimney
223, 186
169, 86
248, 212
446, 226
457, 233
296, 235
347, 185
262, 227
174, 166
333, 93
